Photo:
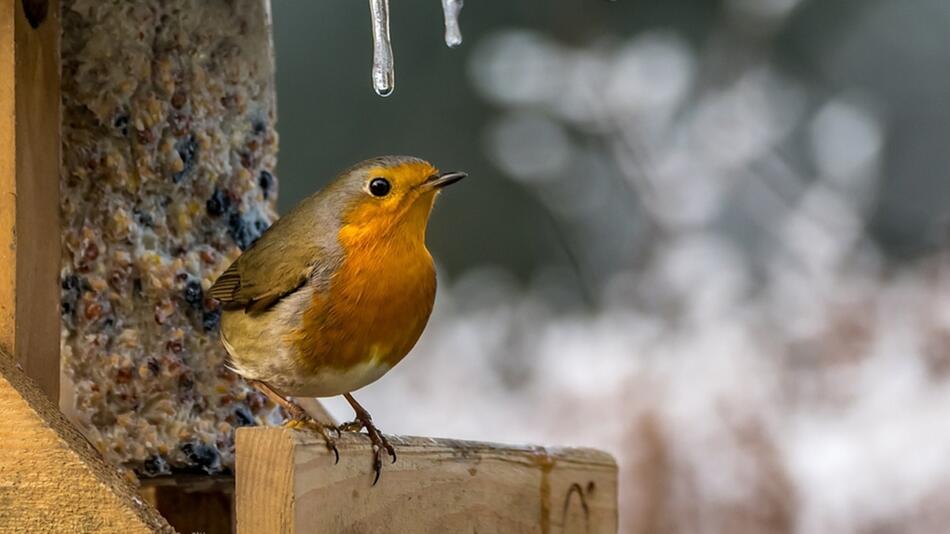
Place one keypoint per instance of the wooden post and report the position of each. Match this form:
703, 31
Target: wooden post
29, 187
287, 482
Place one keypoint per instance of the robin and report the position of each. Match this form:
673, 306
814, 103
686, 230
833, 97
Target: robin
336, 292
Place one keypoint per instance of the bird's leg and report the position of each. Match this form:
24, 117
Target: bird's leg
294, 410
379, 440
299, 418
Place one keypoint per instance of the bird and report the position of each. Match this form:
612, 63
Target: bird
336, 292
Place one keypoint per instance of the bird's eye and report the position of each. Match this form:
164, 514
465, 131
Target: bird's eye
379, 187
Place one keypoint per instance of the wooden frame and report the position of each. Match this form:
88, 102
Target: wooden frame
30, 121
287, 482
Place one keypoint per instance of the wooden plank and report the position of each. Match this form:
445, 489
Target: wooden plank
29, 187
264, 488
287, 482
51, 479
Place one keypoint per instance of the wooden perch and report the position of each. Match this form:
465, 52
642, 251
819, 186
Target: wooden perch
29, 187
287, 482
51, 479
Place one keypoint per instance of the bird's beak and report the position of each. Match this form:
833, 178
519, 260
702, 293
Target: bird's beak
444, 179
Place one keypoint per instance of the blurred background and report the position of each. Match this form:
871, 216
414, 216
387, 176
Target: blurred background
707, 236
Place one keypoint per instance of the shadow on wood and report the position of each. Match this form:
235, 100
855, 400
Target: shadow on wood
287, 482
193, 502
208, 512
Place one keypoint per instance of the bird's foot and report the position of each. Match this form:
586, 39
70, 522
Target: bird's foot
380, 443
298, 418
295, 424
351, 426
309, 423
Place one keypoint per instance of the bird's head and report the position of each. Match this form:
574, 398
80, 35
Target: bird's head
389, 195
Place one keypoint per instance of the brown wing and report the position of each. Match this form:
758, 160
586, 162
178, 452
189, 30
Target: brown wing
265, 273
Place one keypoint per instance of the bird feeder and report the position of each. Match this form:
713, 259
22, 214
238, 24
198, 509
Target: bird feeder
137, 156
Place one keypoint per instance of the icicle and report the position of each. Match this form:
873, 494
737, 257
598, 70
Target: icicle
451, 10
384, 77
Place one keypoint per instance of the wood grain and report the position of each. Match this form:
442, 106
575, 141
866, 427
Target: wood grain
287, 482
264, 485
30, 121
51, 479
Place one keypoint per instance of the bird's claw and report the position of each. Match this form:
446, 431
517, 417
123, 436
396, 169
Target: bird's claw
330, 441
351, 426
336, 452
307, 422
377, 464
380, 443
295, 424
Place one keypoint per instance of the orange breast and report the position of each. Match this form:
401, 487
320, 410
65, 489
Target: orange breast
376, 307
